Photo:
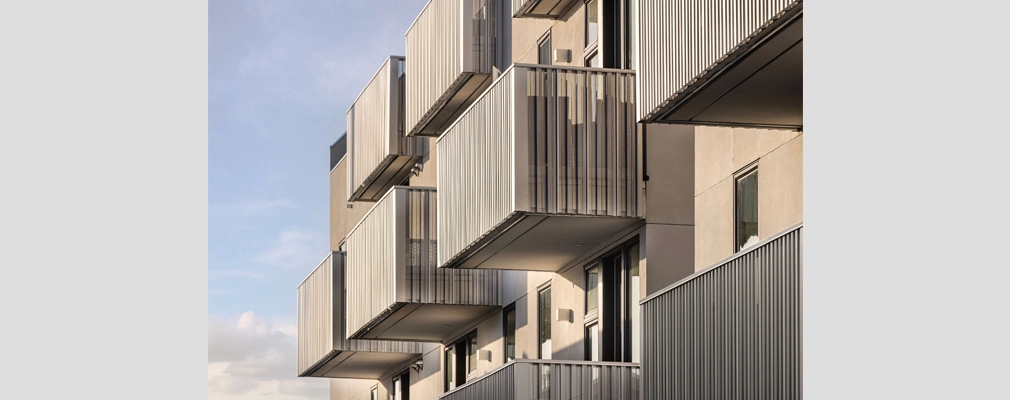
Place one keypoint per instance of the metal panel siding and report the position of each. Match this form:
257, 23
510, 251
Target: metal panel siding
375, 128
545, 140
553, 379
449, 41
731, 331
321, 319
316, 339
681, 40
391, 261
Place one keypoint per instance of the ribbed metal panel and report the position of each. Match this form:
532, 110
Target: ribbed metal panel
321, 319
391, 262
450, 41
732, 331
540, 8
544, 140
680, 41
553, 379
375, 134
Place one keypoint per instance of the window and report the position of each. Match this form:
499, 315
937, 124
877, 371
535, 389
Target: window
592, 22
610, 33
401, 386
510, 332
746, 206
460, 360
544, 327
613, 314
375, 393
544, 51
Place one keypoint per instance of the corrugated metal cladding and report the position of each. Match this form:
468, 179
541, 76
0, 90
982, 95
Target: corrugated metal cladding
553, 379
316, 338
449, 41
375, 129
681, 40
730, 332
548, 140
321, 319
391, 260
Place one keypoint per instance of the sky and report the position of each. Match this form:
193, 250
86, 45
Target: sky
282, 75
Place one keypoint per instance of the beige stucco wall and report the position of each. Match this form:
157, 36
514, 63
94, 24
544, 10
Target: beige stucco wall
720, 152
567, 32
350, 389
428, 177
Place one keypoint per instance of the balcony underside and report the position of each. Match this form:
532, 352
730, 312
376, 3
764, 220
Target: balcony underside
413, 322
463, 92
543, 8
361, 364
537, 242
759, 86
392, 171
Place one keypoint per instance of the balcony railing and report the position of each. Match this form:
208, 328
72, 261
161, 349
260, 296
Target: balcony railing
542, 149
380, 154
322, 349
717, 62
730, 331
395, 290
540, 8
450, 56
553, 379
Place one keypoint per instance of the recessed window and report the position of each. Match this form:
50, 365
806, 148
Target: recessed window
544, 316
544, 50
746, 206
592, 22
375, 393
401, 387
510, 332
592, 289
460, 360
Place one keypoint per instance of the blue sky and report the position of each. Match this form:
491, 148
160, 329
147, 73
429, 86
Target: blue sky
282, 74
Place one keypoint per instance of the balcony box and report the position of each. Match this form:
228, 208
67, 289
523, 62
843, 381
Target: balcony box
710, 62
754, 300
450, 56
541, 8
379, 154
552, 379
542, 168
322, 349
395, 290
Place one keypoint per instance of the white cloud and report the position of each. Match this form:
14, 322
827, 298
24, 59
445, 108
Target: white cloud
295, 249
248, 355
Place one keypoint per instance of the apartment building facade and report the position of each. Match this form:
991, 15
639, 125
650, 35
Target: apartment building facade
568, 199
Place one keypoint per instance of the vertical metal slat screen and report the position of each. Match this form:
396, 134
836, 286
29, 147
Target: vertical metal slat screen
553, 379
732, 331
372, 262
315, 316
375, 128
681, 40
582, 141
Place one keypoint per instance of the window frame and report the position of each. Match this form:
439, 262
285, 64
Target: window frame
540, 319
611, 322
546, 38
505, 331
745, 172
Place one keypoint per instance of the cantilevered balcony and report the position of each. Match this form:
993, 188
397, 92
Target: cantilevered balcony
710, 62
552, 379
322, 349
737, 324
395, 290
379, 153
450, 56
542, 168
541, 8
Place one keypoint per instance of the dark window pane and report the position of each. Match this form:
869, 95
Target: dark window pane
592, 289
545, 324
592, 343
747, 211
544, 56
471, 355
510, 334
